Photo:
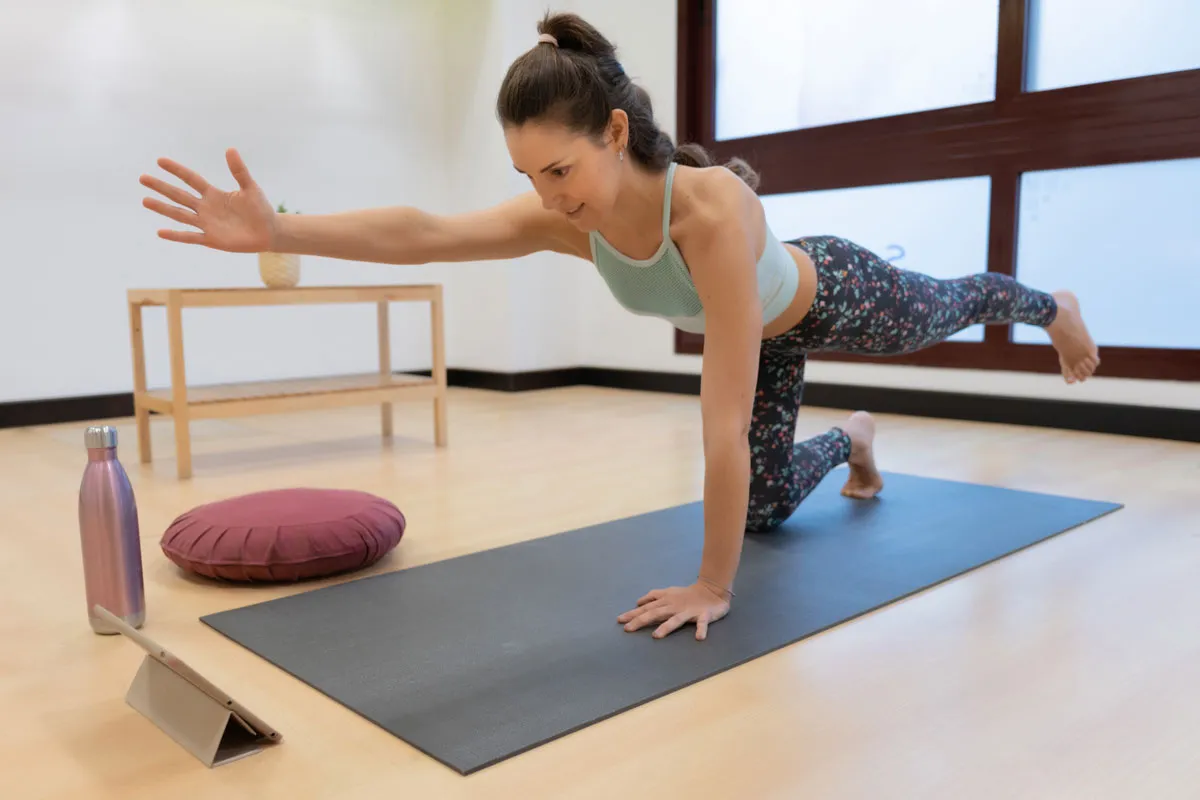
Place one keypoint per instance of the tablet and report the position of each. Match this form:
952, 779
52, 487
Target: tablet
253, 724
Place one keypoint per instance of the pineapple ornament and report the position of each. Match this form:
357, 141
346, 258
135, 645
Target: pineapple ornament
280, 270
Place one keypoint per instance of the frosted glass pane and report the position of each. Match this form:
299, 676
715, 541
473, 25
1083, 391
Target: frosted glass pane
789, 64
939, 227
1075, 42
1126, 240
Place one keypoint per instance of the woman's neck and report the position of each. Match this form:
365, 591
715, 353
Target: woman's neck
637, 222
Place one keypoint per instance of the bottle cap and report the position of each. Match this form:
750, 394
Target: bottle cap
100, 436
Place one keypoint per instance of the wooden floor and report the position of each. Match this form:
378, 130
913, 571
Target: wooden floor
1069, 670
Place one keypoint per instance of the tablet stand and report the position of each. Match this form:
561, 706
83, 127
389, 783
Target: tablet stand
208, 730
188, 707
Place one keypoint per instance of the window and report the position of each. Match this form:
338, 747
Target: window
927, 124
789, 64
1126, 239
939, 228
1075, 42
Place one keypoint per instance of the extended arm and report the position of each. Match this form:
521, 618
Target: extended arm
408, 235
243, 221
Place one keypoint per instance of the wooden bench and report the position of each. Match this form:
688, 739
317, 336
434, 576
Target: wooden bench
186, 403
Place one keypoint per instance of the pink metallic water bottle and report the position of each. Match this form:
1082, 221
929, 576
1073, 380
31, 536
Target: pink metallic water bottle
108, 529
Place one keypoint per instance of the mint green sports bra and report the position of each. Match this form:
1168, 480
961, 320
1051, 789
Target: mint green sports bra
661, 286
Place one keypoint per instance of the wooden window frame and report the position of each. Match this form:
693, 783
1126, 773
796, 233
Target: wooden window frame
1141, 119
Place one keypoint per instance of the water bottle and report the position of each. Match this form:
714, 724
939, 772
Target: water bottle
108, 530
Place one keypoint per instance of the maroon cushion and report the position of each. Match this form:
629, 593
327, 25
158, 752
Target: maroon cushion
284, 534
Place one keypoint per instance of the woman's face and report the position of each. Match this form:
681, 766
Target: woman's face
571, 172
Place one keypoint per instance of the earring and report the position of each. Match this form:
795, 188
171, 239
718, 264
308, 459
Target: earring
621, 154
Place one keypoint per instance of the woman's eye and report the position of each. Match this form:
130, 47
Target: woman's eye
560, 171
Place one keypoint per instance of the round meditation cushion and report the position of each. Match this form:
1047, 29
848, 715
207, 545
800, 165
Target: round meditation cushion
284, 535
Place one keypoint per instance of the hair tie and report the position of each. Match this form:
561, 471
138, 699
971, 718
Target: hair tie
545, 37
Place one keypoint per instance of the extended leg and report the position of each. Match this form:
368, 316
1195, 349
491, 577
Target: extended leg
782, 471
867, 305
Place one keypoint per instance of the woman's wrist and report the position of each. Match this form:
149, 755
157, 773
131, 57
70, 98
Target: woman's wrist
724, 592
284, 237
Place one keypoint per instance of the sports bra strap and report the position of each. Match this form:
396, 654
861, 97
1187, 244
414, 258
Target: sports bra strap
666, 217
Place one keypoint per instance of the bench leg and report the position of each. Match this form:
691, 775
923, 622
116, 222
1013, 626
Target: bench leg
440, 427
138, 340
385, 366
179, 401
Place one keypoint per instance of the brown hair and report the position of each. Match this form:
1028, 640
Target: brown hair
579, 83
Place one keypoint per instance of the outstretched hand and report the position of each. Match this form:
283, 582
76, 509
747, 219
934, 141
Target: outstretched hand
241, 221
675, 606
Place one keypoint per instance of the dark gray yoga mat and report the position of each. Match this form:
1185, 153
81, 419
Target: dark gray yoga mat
477, 658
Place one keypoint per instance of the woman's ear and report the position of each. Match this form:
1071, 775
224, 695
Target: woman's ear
618, 129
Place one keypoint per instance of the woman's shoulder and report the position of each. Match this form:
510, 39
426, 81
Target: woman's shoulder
708, 199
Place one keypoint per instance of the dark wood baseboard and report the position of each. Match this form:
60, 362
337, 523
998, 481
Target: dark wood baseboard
1123, 419
1128, 420
23, 413
671, 382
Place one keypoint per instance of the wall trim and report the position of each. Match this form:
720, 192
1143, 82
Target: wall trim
23, 413
1122, 419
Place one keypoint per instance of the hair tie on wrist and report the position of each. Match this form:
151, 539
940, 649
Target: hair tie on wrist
730, 592
545, 37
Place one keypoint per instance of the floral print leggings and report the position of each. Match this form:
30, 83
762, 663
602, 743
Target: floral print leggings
864, 304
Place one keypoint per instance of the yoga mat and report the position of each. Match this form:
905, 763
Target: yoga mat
477, 658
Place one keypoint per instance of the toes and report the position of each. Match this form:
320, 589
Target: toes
1085, 369
1080, 370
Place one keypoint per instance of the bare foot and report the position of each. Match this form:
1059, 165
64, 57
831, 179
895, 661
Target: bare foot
1077, 353
865, 481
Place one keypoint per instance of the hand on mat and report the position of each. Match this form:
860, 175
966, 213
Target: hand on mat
241, 221
674, 606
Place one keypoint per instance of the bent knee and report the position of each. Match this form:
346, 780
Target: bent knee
765, 518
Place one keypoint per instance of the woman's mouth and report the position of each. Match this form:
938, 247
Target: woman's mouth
576, 212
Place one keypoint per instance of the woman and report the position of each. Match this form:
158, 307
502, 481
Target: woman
677, 238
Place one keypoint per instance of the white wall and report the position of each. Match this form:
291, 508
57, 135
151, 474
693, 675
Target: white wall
328, 102
526, 307
335, 104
